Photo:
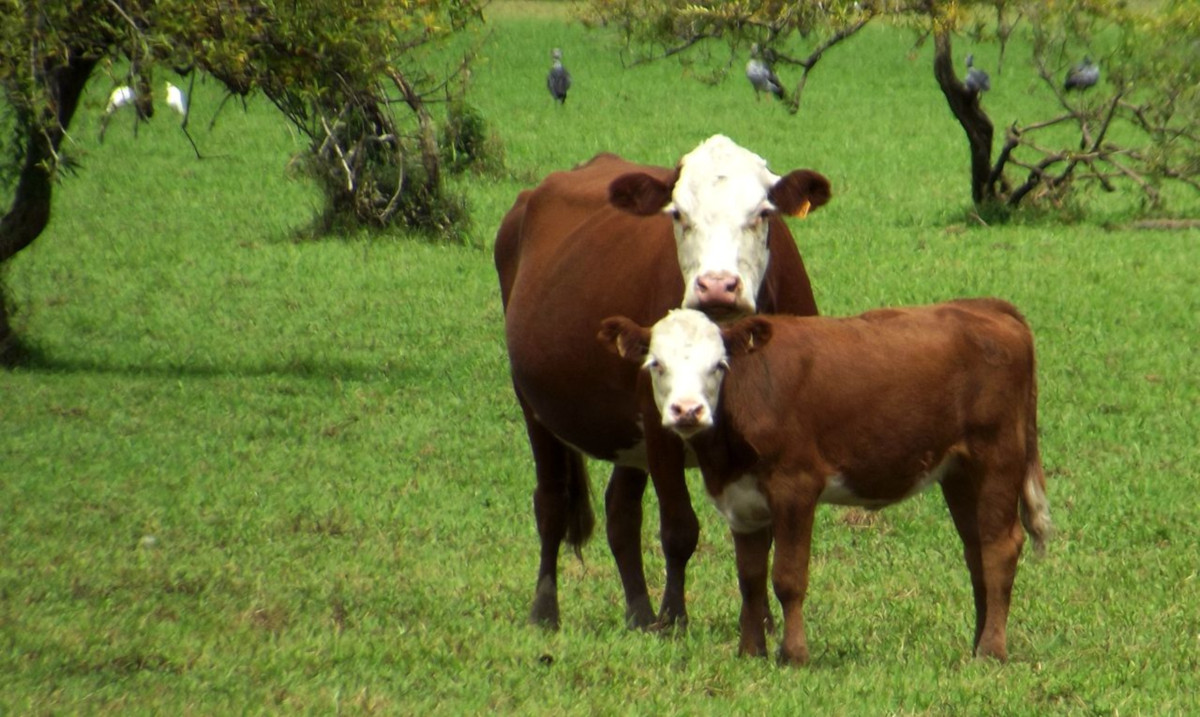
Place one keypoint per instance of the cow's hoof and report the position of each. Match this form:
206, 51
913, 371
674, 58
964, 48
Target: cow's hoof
639, 615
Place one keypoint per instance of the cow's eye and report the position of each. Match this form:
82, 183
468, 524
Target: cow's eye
676, 215
654, 365
722, 366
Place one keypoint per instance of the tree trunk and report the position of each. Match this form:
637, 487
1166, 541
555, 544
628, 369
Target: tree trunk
975, 122
30, 210
430, 159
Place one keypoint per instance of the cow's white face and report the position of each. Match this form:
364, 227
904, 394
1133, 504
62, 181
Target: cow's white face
721, 210
686, 361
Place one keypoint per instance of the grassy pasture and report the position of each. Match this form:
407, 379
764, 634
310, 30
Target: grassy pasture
254, 475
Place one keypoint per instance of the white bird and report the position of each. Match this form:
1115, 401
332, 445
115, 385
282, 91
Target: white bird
559, 80
120, 97
761, 76
176, 100
977, 80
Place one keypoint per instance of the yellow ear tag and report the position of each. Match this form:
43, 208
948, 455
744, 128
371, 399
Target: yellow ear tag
803, 210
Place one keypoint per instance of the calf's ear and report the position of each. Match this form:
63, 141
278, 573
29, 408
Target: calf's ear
800, 192
641, 194
624, 338
746, 336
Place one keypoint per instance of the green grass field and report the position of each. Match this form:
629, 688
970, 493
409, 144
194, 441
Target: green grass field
249, 474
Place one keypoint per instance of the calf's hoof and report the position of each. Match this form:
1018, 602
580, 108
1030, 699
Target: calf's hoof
752, 648
797, 657
996, 652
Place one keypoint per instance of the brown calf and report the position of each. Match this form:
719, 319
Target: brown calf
788, 412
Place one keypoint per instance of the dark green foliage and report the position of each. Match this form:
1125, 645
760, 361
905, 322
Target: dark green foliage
468, 144
395, 183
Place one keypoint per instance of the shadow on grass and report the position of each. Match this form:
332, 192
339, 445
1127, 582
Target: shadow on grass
33, 359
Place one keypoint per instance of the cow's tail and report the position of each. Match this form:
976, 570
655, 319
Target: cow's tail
581, 521
1033, 507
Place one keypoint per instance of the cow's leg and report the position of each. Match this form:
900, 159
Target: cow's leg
985, 514
623, 508
680, 527
792, 515
562, 507
753, 551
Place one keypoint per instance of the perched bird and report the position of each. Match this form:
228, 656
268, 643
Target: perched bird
977, 80
176, 100
559, 80
1082, 76
761, 76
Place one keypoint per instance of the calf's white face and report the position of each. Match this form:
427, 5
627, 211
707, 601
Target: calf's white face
720, 211
686, 361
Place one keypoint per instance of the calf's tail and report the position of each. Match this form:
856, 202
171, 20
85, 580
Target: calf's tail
1033, 507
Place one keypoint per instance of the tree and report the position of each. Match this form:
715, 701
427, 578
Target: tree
1150, 88
337, 69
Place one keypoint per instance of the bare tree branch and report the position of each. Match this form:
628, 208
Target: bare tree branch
331, 141
810, 62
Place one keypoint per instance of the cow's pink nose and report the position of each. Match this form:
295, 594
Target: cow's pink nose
718, 288
686, 414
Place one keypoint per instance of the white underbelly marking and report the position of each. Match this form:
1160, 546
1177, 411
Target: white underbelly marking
743, 505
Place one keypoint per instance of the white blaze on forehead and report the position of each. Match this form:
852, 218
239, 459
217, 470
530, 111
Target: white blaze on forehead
720, 196
686, 362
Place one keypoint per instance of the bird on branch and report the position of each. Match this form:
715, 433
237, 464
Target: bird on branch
1082, 76
977, 80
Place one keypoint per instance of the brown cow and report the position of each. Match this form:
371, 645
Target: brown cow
786, 412
612, 237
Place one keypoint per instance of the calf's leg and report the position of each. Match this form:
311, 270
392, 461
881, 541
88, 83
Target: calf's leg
792, 524
753, 553
984, 509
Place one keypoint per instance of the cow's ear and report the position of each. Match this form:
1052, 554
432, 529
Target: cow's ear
624, 338
800, 192
746, 336
640, 193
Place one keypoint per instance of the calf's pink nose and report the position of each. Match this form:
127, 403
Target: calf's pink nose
686, 413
